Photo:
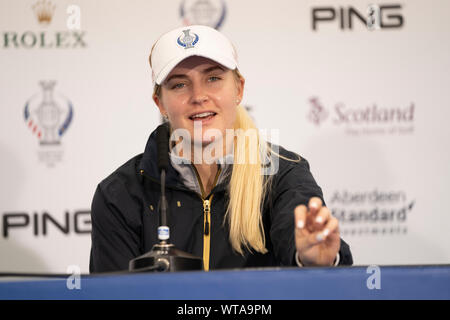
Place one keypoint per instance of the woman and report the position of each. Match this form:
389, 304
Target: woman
227, 212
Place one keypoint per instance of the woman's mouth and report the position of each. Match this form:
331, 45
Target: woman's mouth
204, 116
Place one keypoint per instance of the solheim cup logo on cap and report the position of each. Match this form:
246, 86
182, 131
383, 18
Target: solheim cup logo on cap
203, 12
186, 40
48, 116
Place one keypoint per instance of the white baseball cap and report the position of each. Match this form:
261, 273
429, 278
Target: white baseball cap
181, 43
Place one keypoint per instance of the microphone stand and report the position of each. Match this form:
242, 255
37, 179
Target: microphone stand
164, 256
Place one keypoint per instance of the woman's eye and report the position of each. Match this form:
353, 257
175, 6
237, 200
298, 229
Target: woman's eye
178, 86
213, 78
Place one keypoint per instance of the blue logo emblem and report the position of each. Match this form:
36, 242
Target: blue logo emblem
48, 116
187, 41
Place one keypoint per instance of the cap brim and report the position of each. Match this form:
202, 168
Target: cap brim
172, 64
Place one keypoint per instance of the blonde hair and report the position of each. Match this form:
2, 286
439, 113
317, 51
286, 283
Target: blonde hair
248, 186
247, 189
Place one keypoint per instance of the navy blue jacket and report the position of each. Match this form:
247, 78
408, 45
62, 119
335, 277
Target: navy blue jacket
125, 218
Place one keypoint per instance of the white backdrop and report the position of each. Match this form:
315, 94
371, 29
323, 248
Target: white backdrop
367, 108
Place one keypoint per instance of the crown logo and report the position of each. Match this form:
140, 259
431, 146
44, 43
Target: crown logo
44, 11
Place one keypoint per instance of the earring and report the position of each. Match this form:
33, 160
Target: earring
165, 117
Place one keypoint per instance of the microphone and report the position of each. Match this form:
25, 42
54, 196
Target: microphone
164, 256
162, 144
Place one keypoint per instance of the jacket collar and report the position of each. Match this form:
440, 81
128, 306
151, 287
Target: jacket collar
188, 174
150, 167
179, 175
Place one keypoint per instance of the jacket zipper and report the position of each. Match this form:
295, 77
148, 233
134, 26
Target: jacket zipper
206, 233
206, 218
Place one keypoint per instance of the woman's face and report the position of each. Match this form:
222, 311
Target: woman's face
200, 91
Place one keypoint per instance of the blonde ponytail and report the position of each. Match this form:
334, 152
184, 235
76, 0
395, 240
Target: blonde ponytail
247, 188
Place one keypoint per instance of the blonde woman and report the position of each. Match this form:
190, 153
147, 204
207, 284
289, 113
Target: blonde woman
226, 209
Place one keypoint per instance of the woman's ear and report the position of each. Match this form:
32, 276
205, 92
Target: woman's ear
158, 103
240, 87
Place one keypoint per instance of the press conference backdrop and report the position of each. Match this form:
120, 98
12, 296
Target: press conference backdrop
358, 88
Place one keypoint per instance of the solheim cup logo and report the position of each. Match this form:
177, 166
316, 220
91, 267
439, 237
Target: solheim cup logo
48, 116
204, 12
187, 41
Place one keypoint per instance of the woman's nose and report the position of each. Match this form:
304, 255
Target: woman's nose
199, 94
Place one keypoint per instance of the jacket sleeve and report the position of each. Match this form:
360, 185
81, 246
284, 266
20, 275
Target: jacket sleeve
115, 231
293, 187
